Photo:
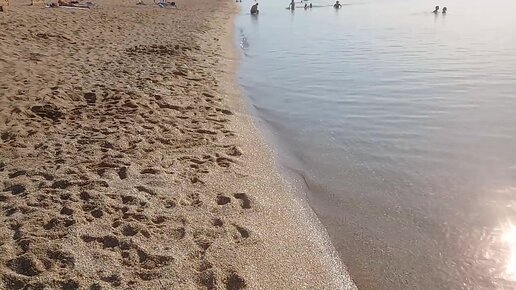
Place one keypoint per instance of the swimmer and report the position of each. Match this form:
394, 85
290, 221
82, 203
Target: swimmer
310, 5
292, 5
306, 6
444, 10
254, 9
337, 5
436, 10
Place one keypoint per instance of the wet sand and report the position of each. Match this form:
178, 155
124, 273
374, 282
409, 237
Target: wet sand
128, 160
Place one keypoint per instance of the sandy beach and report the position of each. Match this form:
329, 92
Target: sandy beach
128, 160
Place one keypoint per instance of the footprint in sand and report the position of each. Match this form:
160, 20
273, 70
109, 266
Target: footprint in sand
217, 222
222, 200
47, 111
15, 189
234, 282
90, 98
245, 202
244, 233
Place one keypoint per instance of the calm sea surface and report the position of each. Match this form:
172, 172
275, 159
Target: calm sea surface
401, 125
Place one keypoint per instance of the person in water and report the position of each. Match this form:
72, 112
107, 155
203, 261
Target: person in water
254, 9
337, 5
444, 10
306, 6
292, 5
436, 10
310, 5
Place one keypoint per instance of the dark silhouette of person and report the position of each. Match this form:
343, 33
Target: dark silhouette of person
444, 10
310, 5
254, 9
436, 10
292, 5
337, 5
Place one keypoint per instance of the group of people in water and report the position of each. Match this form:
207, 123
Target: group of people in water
436, 10
291, 6
337, 5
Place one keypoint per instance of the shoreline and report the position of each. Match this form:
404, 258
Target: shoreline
128, 158
325, 268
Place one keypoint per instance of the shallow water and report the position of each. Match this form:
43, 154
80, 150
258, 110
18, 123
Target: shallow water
401, 125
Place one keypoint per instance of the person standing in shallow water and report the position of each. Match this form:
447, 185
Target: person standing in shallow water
254, 9
292, 5
436, 10
444, 10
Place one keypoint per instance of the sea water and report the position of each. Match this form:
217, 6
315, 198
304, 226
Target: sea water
401, 126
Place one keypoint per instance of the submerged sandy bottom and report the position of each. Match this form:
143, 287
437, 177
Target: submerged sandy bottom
127, 159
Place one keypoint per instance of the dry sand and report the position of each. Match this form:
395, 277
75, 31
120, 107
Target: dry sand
127, 160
